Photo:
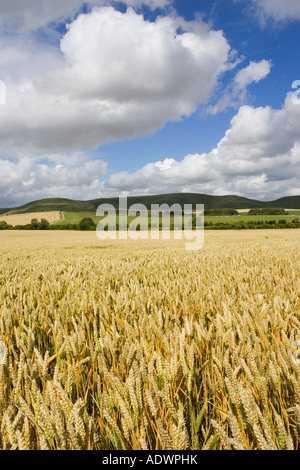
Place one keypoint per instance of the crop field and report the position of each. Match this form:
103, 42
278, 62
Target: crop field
295, 212
144, 345
23, 219
235, 219
76, 217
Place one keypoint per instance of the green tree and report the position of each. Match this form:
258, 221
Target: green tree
87, 223
268, 211
4, 225
34, 224
44, 224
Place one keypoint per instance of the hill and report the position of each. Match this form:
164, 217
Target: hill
290, 202
210, 202
53, 204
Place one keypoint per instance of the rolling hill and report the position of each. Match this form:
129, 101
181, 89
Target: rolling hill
210, 202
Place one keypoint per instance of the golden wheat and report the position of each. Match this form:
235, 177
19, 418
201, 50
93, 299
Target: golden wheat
147, 346
23, 219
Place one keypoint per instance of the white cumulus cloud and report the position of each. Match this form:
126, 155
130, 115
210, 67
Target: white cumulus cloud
255, 72
26, 179
29, 15
258, 157
277, 10
120, 76
235, 93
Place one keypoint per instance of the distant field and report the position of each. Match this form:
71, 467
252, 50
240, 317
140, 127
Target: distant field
56, 239
234, 219
294, 211
73, 218
76, 217
290, 211
24, 219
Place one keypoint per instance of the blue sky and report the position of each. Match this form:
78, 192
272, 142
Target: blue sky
144, 97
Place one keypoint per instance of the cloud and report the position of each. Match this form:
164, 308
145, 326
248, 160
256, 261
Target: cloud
118, 76
235, 93
25, 177
30, 15
277, 10
255, 72
258, 157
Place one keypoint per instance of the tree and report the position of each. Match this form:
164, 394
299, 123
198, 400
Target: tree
87, 223
4, 225
268, 211
220, 212
34, 224
44, 224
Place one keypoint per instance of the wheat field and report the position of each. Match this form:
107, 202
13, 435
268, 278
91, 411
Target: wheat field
23, 219
143, 345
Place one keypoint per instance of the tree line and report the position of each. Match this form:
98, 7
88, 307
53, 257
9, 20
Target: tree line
86, 223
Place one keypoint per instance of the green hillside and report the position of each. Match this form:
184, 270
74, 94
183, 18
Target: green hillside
291, 202
210, 202
54, 204
4, 211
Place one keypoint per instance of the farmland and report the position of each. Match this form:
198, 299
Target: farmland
75, 217
143, 345
235, 219
23, 219
66, 214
